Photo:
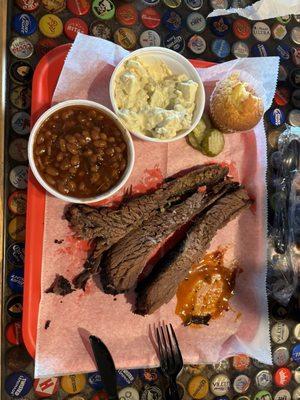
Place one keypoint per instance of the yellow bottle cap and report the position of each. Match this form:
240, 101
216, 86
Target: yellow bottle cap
51, 26
73, 383
16, 228
198, 387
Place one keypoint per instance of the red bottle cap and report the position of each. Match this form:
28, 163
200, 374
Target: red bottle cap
28, 5
282, 377
282, 96
150, 17
13, 333
78, 7
44, 45
73, 26
241, 28
126, 14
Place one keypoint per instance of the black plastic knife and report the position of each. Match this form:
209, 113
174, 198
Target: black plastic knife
106, 367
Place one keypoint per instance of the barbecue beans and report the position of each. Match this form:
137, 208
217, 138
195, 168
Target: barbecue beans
80, 152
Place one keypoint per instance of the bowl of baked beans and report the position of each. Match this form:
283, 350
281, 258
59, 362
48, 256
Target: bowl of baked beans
80, 151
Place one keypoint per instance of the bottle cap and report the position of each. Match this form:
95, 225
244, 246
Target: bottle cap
241, 28
16, 251
241, 384
150, 17
150, 38
103, 9
101, 30
14, 306
260, 50
197, 44
219, 26
172, 3
281, 356
73, 26
221, 48
280, 330
54, 6
24, 24
79, 7
263, 379
282, 377
175, 42
220, 384
28, 5
198, 387
18, 384
240, 49
279, 31
261, 31
51, 26
172, 20
283, 394
126, 38
194, 5
196, 22
21, 72
126, 14
21, 48
46, 387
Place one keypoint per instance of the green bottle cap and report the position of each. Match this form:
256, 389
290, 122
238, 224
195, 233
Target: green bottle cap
103, 9
263, 395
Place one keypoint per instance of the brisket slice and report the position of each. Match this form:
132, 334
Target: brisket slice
161, 285
110, 225
60, 286
125, 261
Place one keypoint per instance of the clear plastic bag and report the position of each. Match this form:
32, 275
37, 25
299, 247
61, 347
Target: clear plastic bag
284, 246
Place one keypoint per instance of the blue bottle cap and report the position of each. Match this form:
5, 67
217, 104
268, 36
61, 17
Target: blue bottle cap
18, 384
194, 4
172, 20
260, 50
174, 42
95, 381
220, 26
15, 254
283, 51
24, 24
125, 377
15, 280
221, 48
296, 353
276, 116
14, 306
196, 22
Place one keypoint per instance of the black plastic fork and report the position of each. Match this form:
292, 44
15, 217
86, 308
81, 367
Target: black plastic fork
170, 357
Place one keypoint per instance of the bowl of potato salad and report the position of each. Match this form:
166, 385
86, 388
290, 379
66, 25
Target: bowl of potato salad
158, 94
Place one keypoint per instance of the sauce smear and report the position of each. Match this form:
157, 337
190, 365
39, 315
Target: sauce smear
206, 291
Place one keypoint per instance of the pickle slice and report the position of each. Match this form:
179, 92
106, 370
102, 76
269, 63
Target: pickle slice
213, 143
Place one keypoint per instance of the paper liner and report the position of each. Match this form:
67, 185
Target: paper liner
252, 83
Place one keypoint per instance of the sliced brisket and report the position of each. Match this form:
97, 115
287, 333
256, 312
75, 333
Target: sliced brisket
60, 286
109, 226
124, 262
160, 287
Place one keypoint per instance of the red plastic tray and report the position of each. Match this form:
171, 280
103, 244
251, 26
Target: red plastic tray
44, 82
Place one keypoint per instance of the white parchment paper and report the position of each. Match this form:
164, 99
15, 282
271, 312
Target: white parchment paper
263, 9
244, 329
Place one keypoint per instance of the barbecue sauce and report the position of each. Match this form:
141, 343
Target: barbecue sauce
205, 293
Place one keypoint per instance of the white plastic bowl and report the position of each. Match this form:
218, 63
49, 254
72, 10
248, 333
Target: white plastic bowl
178, 65
104, 110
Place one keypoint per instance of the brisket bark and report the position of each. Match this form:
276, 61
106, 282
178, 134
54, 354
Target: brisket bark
109, 226
125, 261
161, 285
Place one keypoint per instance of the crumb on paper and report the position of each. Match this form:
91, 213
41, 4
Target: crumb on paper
60, 286
56, 241
47, 324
